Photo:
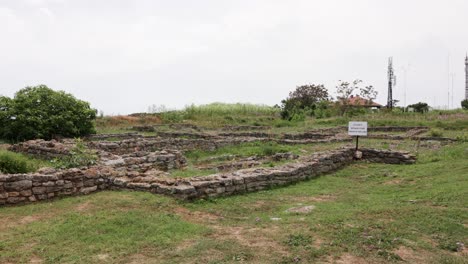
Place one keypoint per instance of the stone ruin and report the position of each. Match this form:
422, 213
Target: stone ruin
137, 162
49, 183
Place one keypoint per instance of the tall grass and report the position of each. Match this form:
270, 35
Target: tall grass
230, 109
220, 113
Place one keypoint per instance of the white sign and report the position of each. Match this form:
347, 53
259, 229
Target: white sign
357, 129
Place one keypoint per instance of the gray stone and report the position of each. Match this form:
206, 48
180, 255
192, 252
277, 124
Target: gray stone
18, 185
88, 190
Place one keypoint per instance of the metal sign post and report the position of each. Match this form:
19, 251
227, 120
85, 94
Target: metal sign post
357, 129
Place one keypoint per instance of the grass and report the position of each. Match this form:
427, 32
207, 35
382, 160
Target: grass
257, 148
11, 162
217, 115
366, 212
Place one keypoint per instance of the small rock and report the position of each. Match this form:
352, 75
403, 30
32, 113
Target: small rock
301, 210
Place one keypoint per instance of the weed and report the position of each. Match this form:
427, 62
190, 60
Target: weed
436, 132
298, 240
79, 156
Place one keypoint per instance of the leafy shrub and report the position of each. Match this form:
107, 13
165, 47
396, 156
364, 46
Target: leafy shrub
420, 107
80, 156
464, 104
271, 148
40, 112
304, 101
436, 133
11, 163
298, 240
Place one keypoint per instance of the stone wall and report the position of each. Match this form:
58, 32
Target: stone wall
44, 149
394, 128
185, 134
240, 128
147, 144
246, 134
119, 136
387, 156
143, 161
24, 188
48, 184
307, 135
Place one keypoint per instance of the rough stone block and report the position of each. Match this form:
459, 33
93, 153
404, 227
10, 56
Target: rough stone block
88, 190
18, 185
39, 190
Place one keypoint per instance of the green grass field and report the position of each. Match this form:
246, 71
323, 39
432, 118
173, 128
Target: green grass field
365, 213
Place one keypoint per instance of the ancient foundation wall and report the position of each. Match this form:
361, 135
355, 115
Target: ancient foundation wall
143, 161
132, 145
44, 149
249, 180
24, 188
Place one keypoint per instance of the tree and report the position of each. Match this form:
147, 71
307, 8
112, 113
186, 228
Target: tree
464, 104
420, 107
344, 91
40, 112
304, 98
368, 93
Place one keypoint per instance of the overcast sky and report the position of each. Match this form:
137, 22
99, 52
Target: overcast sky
125, 55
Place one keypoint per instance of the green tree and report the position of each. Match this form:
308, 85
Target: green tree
40, 112
345, 90
420, 107
464, 104
305, 99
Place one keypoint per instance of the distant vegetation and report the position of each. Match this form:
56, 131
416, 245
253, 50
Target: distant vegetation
314, 101
306, 100
464, 104
420, 107
228, 112
40, 112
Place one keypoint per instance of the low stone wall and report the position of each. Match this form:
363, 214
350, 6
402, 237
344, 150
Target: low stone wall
184, 126
44, 149
143, 161
372, 129
120, 136
24, 188
394, 128
307, 135
387, 156
185, 134
145, 128
146, 144
250, 180
240, 128
314, 141
247, 134
398, 137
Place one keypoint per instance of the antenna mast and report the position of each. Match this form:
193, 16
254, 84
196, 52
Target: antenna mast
391, 83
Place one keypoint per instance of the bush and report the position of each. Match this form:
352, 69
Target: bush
304, 101
464, 104
80, 156
420, 107
40, 112
436, 132
11, 163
